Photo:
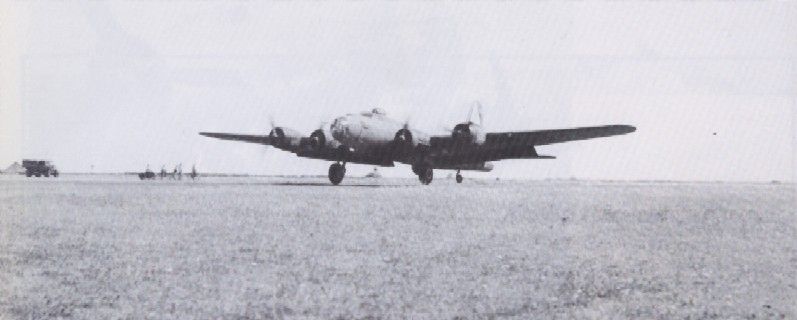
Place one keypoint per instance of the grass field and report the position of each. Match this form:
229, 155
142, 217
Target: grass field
116, 247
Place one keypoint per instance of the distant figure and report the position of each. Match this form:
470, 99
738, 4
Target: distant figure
193, 172
180, 171
174, 174
163, 172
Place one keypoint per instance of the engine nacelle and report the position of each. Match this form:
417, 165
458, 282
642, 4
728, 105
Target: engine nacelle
284, 138
468, 132
405, 138
321, 139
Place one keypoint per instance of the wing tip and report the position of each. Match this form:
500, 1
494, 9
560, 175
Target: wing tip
624, 128
211, 135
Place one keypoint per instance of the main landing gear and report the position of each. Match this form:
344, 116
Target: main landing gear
336, 172
459, 177
425, 173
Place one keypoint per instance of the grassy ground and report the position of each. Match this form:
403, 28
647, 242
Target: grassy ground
275, 248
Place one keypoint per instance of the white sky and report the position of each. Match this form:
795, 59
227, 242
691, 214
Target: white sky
119, 85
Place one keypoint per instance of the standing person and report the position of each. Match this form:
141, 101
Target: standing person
193, 172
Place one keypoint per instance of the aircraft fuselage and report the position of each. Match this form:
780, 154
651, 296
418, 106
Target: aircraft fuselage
369, 130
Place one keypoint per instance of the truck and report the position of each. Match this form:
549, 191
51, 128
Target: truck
39, 168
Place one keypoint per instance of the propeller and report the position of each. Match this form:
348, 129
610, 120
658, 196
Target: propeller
318, 137
274, 133
478, 106
404, 136
479, 110
464, 129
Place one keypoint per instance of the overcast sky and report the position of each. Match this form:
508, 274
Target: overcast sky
711, 86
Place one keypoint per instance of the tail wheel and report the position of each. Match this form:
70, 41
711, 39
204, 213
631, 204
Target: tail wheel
336, 173
459, 178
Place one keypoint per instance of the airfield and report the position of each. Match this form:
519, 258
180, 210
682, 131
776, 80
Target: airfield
272, 248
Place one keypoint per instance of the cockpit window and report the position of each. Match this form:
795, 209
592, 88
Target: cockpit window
374, 111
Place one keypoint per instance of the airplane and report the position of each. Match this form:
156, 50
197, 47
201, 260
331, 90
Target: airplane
372, 138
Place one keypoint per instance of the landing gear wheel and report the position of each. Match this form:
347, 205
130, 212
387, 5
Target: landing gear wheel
426, 175
336, 173
459, 178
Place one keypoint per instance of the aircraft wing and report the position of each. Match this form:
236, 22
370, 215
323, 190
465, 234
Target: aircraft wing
304, 149
259, 139
515, 145
543, 137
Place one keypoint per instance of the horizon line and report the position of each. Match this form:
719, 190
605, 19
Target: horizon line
244, 175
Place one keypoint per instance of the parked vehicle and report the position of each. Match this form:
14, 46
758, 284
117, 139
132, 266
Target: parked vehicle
39, 168
147, 174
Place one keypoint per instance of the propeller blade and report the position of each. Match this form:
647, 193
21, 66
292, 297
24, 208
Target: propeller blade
479, 110
273, 125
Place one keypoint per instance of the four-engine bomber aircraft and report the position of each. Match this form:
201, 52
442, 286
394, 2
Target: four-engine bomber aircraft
374, 139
